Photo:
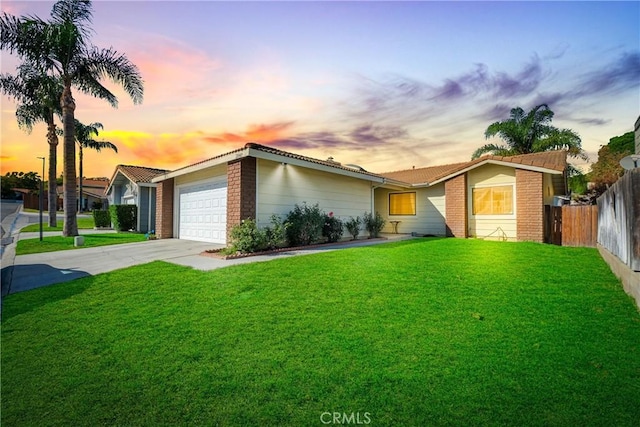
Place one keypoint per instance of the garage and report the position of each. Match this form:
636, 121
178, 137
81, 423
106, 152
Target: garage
203, 212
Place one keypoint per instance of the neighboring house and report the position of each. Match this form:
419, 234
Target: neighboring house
501, 197
131, 185
93, 191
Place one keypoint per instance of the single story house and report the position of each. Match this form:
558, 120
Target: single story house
131, 185
93, 192
489, 197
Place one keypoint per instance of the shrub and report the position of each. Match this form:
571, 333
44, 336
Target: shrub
276, 233
102, 219
373, 224
96, 206
123, 217
304, 224
332, 228
246, 237
353, 226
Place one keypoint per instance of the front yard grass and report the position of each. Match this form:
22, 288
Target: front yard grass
60, 243
423, 332
83, 223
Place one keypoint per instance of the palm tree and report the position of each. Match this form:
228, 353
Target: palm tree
38, 98
530, 132
84, 138
61, 46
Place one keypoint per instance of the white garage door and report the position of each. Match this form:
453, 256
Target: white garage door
203, 212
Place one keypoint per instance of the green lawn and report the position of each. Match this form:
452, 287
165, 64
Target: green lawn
59, 243
83, 223
418, 333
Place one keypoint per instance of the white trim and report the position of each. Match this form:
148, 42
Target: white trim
225, 158
259, 154
492, 162
505, 216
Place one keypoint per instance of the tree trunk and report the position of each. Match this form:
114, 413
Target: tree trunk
80, 207
52, 138
69, 155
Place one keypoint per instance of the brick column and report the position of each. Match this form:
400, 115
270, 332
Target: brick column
529, 206
455, 193
241, 191
164, 209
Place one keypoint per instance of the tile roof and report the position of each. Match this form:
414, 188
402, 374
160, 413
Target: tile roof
93, 182
553, 160
271, 150
97, 193
139, 173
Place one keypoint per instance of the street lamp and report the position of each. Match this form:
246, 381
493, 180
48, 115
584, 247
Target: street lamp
41, 195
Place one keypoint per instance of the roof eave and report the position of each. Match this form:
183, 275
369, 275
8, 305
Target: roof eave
225, 158
496, 162
259, 154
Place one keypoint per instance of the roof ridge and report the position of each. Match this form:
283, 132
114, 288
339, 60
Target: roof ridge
426, 167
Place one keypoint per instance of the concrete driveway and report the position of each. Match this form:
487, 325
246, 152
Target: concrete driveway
25, 272
37, 270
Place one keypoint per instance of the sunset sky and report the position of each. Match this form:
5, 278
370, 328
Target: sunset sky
386, 85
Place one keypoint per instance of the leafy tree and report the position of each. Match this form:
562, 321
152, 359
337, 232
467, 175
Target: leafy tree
84, 137
61, 47
11, 180
606, 170
38, 98
531, 132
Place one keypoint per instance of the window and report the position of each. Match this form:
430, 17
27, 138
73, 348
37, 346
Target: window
402, 204
493, 200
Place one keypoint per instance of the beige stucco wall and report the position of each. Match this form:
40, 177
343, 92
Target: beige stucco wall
280, 187
202, 175
430, 211
486, 226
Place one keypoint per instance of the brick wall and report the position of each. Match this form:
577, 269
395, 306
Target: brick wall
241, 191
455, 191
164, 209
529, 206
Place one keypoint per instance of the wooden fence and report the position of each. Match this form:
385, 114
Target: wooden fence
571, 225
32, 201
619, 219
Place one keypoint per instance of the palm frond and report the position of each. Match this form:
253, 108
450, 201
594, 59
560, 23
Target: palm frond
117, 67
77, 12
85, 136
498, 150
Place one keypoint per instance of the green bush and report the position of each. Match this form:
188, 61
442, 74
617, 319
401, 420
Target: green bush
246, 237
276, 233
123, 217
101, 219
353, 226
332, 228
373, 224
304, 225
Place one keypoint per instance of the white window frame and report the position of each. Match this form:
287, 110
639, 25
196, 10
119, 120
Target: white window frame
495, 184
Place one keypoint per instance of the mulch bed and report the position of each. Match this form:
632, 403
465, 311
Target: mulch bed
216, 253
